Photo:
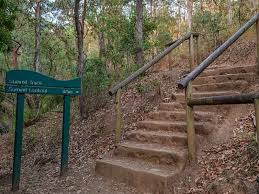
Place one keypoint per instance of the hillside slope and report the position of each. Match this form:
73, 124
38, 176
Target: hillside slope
94, 137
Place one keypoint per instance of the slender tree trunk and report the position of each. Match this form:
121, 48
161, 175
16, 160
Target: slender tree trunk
102, 49
139, 32
255, 5
153, 16
151, 8
201, 5
79, 26
189, 13
36, 62
179, 21
230, 12
15, 55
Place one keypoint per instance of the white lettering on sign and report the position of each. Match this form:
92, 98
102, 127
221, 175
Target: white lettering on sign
67, 92
17, 90
18, 82
36, 83
25, 82
38, 90
27, 90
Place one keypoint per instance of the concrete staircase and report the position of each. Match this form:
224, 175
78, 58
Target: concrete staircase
152, 156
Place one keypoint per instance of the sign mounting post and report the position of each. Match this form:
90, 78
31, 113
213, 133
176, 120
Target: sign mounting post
24, 82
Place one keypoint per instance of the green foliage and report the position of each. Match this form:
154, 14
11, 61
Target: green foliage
7, 19
33, 140
47, 103
253, 148
95, 77
118, 28
115, 20
147, 87
209, 21
127, 70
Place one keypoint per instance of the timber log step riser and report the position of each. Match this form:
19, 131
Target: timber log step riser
151, 157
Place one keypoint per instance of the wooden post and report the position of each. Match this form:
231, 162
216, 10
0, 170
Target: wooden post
190, 126
118, 116
257, 45
65, 135
191, 51
256, 103
198, 49
18, 142
189, 110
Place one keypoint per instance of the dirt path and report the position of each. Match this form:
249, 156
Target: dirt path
90, 139
94, 137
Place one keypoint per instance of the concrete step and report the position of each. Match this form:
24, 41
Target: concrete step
146, 177
225, 78
180, 116
229, 70
237, 85
201, 127
164, 138
151, 152
180, 97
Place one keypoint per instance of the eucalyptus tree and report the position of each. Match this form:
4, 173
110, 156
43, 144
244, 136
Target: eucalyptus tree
8, 11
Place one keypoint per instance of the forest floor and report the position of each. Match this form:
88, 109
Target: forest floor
222, 164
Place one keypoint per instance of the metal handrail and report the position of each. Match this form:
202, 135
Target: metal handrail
212, 57
151, 63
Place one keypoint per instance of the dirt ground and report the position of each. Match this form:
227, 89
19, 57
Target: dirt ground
223, 160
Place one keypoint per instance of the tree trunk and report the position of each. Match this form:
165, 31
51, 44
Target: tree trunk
255, 5
36, 62
189, 13
139, 32
230, 12
179, 21
102, 49
15, 55
79, 26
201, 5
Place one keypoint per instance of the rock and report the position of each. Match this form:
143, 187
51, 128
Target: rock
232, 187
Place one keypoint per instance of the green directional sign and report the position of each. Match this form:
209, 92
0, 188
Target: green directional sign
29, 82
24, 82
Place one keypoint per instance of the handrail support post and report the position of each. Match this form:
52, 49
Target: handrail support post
190, 126
118, 116
257, 46
198, 49
256, 104
189, 109
191, 51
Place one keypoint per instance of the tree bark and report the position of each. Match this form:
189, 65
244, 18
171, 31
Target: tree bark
36, 62
189, 13
201, 5
15, 55
230, 12
255, 5
139, 32
179, 21
102, 48
79, 26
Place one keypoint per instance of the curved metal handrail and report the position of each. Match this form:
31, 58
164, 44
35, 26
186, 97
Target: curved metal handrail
213, 56
150, 63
